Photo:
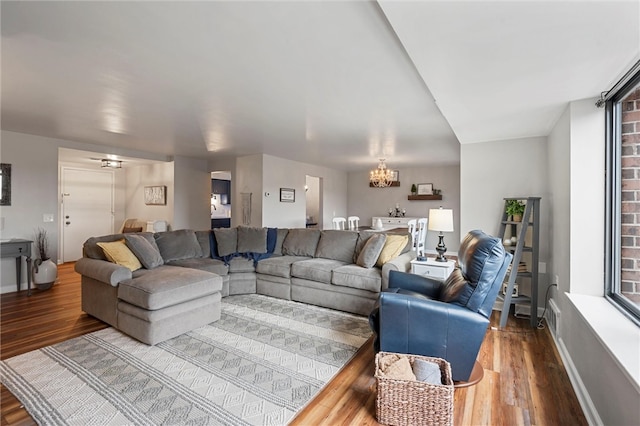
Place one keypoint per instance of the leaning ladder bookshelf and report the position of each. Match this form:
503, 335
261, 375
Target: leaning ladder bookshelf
530, 218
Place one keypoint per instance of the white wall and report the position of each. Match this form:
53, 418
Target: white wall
491, 171
367, 202
149, 175
598, 344
281, 173
192, 194
312, 196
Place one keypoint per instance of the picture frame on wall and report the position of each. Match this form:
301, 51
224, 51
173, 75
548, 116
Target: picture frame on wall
155, 195
287, 195
425, 189
396, 176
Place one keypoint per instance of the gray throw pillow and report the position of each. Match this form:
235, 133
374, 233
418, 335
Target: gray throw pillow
205, 244
178, 245
363, 236
226, 240
371, 251
301, 242
281, 235
252, 240
337, 245
427, 371
145, 249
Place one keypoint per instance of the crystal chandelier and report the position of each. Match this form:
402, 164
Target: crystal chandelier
381, 177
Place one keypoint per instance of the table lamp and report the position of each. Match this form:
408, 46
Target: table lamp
441, 220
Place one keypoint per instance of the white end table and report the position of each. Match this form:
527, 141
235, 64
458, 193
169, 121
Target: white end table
432, 268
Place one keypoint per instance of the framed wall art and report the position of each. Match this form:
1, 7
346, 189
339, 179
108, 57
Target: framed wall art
155, 195
287, 195
425, 189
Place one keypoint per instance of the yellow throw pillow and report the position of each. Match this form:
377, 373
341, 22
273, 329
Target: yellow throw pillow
392, 248
118, 252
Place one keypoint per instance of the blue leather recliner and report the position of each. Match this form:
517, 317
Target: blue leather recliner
421, 316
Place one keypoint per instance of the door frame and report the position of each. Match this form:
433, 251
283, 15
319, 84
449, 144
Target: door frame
62, 169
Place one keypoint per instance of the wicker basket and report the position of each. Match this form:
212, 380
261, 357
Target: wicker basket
404, 402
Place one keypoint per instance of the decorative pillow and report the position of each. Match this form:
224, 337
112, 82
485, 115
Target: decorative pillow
203, 240
91, 249
252, 240
117, 252
393, 246
145, 249
363, 236
427, 371
301, 242
226, 240
282, 234
337, 245
453, 287
371, 251
178, 245
135, 229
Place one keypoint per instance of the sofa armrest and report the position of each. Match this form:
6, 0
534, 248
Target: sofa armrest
101, 270
401, 263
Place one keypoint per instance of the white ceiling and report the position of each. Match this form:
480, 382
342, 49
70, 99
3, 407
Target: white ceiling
339, 84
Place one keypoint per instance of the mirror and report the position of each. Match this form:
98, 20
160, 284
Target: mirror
5, 183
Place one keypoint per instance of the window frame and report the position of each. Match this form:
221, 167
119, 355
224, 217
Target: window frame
613, 199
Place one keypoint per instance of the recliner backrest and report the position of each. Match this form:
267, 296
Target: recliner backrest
483, 262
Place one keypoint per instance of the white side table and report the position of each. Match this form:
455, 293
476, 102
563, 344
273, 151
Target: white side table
433, 269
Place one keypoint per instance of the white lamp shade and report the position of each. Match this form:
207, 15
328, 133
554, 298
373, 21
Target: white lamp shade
441, 220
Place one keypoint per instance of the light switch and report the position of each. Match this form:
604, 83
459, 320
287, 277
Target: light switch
47, 217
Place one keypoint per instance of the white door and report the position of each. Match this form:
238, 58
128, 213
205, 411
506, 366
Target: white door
87, 208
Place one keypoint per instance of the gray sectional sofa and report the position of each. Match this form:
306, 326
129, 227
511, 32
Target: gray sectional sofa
182, 275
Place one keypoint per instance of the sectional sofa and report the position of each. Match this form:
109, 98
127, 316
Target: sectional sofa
154, 286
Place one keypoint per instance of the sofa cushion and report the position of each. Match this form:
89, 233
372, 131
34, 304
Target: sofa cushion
319, 269
337, 245
371, 251
241, 264
226, 241
252, 240
204, 264
93, 251
167, 286
393, 247
355, 276
279, 266
301, 242
176, 245
118, 252
205, 244
145, 248
282, 234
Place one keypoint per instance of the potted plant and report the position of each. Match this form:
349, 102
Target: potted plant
45, 271
515, 209
414, 189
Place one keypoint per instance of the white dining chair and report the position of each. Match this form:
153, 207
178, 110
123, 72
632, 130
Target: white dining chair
412, 225
354, 222
421, 237
339, 223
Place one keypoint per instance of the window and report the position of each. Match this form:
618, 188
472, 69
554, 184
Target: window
623, 195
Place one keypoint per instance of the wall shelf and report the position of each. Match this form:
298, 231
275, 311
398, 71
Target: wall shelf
423, 197
394, 183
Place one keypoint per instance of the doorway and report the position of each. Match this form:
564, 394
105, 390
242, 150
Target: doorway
87, 208
313, 197
221, 199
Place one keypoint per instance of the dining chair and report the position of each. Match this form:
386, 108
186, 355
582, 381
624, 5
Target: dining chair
354, 222
412, 224
421, 234
339, 223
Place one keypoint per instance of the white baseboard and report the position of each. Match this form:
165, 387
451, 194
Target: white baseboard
590, 412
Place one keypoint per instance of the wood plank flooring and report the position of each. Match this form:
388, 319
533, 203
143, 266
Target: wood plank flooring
524, 380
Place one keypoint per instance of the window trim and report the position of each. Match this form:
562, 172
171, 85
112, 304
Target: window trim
613, 199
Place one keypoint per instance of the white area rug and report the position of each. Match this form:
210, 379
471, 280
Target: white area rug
260, 364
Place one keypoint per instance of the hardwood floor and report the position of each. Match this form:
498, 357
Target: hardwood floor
524, 380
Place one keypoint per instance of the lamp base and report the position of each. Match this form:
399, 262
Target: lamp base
441, 249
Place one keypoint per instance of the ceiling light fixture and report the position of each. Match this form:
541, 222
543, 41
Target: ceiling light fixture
112, 164
381, 177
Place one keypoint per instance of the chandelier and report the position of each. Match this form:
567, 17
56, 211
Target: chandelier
381, 177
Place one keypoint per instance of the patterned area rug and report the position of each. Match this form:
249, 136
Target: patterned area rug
259, 364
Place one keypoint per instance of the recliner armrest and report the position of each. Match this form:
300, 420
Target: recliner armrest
418, 283
101, 270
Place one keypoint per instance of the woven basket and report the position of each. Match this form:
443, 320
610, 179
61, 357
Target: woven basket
405, 402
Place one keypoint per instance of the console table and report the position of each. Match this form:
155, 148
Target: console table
18, 248
389, 222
